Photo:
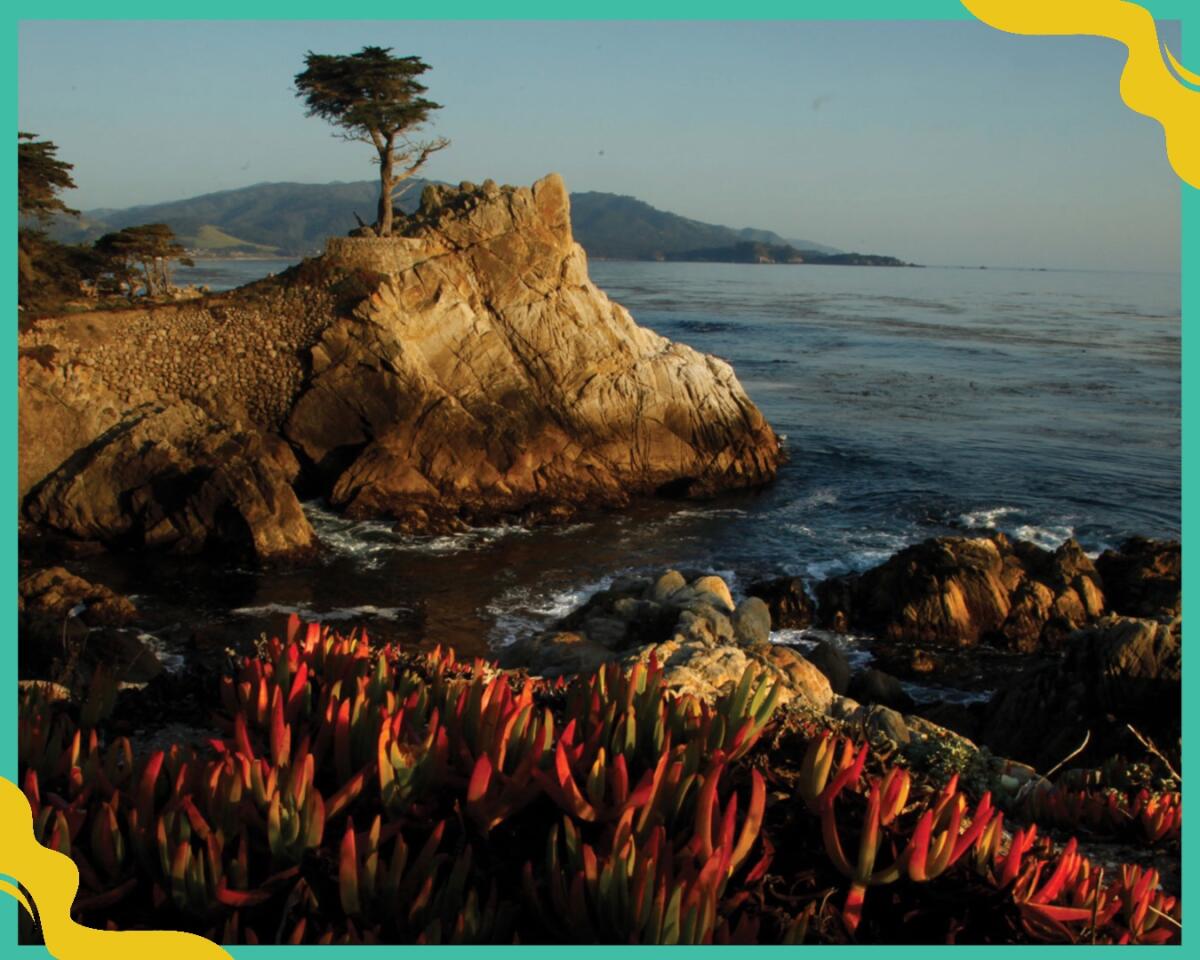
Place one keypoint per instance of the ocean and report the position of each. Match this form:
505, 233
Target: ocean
914, 403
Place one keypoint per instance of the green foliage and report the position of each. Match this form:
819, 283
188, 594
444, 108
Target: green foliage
365, 92
374, 98
141, 256
49, 273
40, 178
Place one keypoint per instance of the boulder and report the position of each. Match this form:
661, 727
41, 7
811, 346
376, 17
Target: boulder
798, 675
1143, 578
557, 654
832, 662
787, 601
752, 622
957, 592
174, 477
68, 626
57, 593
1117, 671
701, 669
666, 585
702, 649
876, 687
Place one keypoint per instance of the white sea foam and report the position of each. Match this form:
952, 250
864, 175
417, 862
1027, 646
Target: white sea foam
521, 611
1048, 538
168, 655
370, 541
984, 518
852, 647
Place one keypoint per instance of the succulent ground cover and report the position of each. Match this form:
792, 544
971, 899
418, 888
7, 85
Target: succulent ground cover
362, 794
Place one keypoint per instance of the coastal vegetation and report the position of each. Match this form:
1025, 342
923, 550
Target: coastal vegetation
374, 98
51, 274
362, 794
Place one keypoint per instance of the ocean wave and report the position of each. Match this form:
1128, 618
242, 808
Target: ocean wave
853, 647
1048, 538
823, 497
984, 518
370, 541
521, 611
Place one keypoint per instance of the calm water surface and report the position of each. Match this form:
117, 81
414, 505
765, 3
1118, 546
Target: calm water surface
915, 402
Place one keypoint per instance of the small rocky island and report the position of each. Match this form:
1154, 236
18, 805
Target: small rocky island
461, 370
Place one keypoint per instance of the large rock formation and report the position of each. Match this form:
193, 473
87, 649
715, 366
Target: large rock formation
1142, 579
953, 591
175, 477
464, 369
486, 374
1119, 671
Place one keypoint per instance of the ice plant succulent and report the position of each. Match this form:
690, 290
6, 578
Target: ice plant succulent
363, 794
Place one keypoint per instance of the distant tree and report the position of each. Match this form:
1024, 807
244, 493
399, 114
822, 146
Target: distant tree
40, 176
142, 255
374, 98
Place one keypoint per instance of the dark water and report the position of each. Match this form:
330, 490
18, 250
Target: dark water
915, 402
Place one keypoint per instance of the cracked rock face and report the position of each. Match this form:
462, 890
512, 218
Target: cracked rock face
487, 374
464, 369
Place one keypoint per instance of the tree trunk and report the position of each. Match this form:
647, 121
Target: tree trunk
386, 182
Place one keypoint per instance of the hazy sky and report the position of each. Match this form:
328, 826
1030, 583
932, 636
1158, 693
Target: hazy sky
941, 143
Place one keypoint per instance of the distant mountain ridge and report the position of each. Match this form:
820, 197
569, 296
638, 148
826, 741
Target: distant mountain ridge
293, 219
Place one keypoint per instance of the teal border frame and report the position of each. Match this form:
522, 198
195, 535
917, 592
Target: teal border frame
1186, 11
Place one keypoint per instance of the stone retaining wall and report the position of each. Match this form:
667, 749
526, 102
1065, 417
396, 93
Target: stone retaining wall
391, 255
243, 352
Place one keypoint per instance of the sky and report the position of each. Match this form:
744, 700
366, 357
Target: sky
936, 142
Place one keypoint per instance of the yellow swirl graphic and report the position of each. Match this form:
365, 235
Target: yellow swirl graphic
52, 881
1148, 85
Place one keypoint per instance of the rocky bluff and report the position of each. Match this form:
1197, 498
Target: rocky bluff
463, 370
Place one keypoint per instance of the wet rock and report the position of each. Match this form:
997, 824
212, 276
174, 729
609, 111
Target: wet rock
789, 604
57, 593
800, 676
884, 723
953, 591
832, 662
1143, 578
65, 650
1118, 671
876, 687
752, 622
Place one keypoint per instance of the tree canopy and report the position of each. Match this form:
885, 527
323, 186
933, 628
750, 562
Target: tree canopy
40, 177
375, 98
142, 255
